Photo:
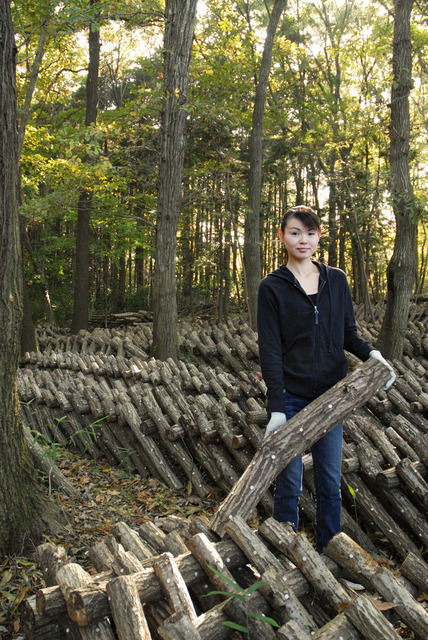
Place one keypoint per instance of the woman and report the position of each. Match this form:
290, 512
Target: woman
305, 323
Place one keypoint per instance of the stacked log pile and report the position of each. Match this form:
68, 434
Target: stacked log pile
201, 421
156, 582
101, 390
120, 319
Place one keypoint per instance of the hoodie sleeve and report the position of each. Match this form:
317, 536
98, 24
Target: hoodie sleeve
270, 349
353, 341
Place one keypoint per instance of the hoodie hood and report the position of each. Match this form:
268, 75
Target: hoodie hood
284, 272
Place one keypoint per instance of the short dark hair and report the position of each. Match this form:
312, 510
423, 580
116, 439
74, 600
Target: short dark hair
306, 215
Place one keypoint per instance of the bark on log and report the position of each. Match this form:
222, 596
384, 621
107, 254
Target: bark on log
50, 559
405, 428
419, 442
173, 586
177, 452
50, 602
208, 556
252, 546
308, 560
292, 630
153, 457
210, 624
412, 477
127, 611
283, 599
350, 464
201, 524
175, 543
402, 507
416, 570
339, 627
403, 409
72, 576
131, 541
369, 620
123, 447
369, 464
90, 603
372, 428
124, 562
360, 564
389, 478
297, 436
178, 627
373, 512
101, 556
401, 445
153, 536
36, 627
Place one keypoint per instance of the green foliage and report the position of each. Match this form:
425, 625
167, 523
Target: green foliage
325, 139
244, 596
354, 498
80, 438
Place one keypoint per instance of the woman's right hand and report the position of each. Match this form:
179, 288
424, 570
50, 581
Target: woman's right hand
277, 419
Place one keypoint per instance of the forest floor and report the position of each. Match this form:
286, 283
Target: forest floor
108, 495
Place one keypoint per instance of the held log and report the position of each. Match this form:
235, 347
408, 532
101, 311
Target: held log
297, 436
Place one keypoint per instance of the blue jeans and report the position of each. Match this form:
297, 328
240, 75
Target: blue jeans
327, 464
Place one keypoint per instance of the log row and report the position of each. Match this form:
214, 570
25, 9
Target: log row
199, 424
176, 579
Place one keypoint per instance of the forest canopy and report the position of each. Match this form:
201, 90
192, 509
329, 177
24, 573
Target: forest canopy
325, 143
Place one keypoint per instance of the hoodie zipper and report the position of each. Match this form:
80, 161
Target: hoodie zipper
316, 321
315, 306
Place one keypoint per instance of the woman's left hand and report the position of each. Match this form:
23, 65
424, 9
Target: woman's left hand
277, 419
378, 356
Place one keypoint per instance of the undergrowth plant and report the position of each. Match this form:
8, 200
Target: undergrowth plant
51, 447
244, 596
354, 499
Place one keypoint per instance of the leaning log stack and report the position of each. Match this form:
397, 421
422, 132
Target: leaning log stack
198, 423
101, 391
156, 581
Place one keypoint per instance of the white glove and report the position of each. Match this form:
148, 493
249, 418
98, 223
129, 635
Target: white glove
378, 356
277, 419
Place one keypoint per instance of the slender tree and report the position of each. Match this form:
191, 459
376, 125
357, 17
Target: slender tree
252, 247
402, 268
28, 333
81, 274
179, 26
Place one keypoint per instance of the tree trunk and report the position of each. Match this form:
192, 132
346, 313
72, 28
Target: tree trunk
28, 336
179, 25
34, 74
19, 507
252, 248
81, 274
402, 269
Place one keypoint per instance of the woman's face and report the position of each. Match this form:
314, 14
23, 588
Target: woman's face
299, 241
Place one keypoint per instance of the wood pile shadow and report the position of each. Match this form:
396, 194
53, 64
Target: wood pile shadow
199, 422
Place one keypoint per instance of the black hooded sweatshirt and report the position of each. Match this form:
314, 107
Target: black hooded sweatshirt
302, 338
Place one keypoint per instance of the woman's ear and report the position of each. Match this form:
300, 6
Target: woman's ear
280, 235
